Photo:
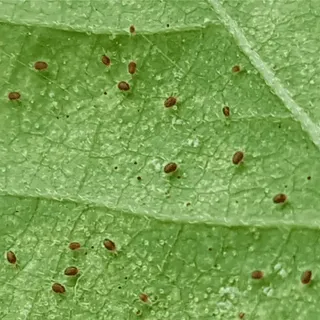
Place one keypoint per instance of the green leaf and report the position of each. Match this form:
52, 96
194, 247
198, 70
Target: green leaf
73, 146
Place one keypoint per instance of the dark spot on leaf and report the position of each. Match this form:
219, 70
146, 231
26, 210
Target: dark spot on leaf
309, 178
138, 313
241, 315
115, 168
143, 297
105, 92
279, 126
92, 247
40, 65
179, 177
57, 117
210, 249
125, 278
168, 25
188, 204
139, 178
135, 162
119, 287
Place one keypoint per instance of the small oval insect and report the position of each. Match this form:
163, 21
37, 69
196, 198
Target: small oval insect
241, 315
170, 167
71, 271
237, 157
40, 65
280, 198
11, 257
306, 277
144, 297
14, 96
132, 66
257, 274
74, 245
170, 102
106, 60
58, 288
123, 86
109, 245
236, 69
226, 111
132, 29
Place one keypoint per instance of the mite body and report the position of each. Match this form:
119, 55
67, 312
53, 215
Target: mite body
74, 245
71, 271
14, 96
11, 257
170, 102
238, 157
170, 167
306, 277
58, 288
280, 198
257, 274
41, 65
144, 297
226, 111
132, 29
132, 67
109, 245
123, 86
106, 60
236, 69
241, 315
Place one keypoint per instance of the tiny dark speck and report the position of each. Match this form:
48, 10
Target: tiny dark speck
135, 162
92, 247
179, 177
309, 178
126, 278
119, 287
105, 92
210, 249
237, 201
286, 186
138, 110
67, 116
168, 25
279, 126
85, 253
115, 168
57, 117
139, 178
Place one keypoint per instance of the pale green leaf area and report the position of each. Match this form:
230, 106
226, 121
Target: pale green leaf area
72, 149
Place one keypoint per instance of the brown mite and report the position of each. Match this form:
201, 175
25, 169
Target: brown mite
74, 245
14, 96
237, 157
257, 274
241, 315
170, 167
123, 86
106, 60
71, 271
109, 245
144, 297
170, 102
40, 65
226, 111
280, 198
236, 69
58, 288
11, 257
132, 29
306, 277
132, 66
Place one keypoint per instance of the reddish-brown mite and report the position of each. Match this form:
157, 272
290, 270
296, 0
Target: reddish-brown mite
170, 102
237, 157
71, 271
14, 96
132, 29
306, 277
123, 86
74, 246
236, 69
257, 274
110, 245
170, 167
11, 257
58, 288
106, 60
226, 111
144, 297
132, 66
280, 198
241, 315
40, 65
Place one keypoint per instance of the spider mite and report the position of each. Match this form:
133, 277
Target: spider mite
109, 245
123, 86
306, 277
236, 69
132, 66
106, 60
11, 257
241, 315
237, 157
280, 198
14, 96
40, 65
170, 102
144, 297
170, 167
71, 271
226, 111
132, 29
58, 288
257, 274
74, 245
